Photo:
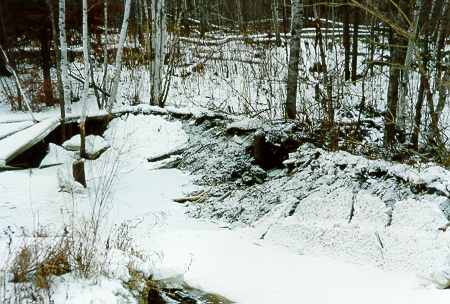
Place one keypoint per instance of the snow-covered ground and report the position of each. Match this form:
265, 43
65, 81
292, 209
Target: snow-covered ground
235, 263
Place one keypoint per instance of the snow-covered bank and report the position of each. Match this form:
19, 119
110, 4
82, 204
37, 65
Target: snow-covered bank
235, 263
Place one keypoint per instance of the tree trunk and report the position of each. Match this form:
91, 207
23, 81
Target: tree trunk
64, 58
240, 18
397, 60
57, 55
275, 25
294, 60
355, 46
86, 80
442, 75
159, 37
328, 102
58, 69
119, 54
403, 90
105, 52
346, 43
418, 115
46, 63
203, 12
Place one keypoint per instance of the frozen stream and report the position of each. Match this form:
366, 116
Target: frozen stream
233, 263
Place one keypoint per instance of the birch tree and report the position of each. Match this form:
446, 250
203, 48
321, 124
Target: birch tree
119, 55
159, 38
105, 51
64, 61
294, 60
86, 80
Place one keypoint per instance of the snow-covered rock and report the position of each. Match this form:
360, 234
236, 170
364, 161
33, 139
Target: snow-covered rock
57, 155
95, 145
66, 182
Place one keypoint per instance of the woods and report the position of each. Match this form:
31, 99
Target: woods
165, 150
406, 41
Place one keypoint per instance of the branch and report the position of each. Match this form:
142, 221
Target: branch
91, 84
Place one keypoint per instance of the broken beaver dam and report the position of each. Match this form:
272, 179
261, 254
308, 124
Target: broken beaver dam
376, 212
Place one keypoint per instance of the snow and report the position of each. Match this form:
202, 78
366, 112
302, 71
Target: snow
235, 263
101, 290
10, 145
57, 155
94, 144
6, 129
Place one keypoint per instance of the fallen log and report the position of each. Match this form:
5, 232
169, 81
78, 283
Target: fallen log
166, 155
198, 198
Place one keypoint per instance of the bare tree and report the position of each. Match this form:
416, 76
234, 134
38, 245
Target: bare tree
159, 38
86, 80
64, 60
294, 60
275, 24
119, 55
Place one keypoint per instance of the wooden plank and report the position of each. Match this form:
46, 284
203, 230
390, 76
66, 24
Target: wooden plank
19, 142
9, 129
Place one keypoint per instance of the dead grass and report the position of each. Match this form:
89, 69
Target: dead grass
39, 260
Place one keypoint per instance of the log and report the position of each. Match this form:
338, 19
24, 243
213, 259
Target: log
199, 198
166, 155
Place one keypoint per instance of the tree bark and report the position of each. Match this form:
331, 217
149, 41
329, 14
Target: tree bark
275, 25
403, 90
442, 75
119, 55
203, 12
58, 48
57, 53
86, 80
346, 43
105, 52
240, 18
355, 46
397, 60
64, 57
159, 37
294, 60
46, 63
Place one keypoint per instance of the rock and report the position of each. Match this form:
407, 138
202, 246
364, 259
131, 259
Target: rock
95, 145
